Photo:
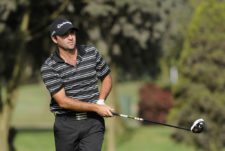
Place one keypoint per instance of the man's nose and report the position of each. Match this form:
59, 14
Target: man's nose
70, 36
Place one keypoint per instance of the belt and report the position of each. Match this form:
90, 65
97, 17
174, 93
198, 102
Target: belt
79, 115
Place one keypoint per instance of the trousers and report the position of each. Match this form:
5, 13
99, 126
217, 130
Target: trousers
79, 135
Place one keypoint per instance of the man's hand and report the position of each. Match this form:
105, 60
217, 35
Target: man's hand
104, 110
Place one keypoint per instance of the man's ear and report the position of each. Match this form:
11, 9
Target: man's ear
54, 39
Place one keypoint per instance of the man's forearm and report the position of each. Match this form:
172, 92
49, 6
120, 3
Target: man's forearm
74, 104
105, 87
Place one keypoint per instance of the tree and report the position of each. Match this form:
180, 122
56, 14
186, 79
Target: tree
19, 31
134, 33
131, 32
200, 92
12, 69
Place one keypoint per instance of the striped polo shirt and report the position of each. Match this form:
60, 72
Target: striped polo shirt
79, 81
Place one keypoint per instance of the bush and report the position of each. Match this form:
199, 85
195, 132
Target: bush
154, 103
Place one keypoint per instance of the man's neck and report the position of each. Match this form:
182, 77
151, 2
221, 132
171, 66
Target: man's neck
69, 57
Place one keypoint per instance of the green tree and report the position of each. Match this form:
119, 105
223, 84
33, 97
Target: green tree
131, 33
20, 31
200, 92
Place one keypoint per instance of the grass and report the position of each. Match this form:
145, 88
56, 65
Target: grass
32, 111
146, 138
41, 141
152, 138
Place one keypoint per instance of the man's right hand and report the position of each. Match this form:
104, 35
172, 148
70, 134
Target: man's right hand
104, 110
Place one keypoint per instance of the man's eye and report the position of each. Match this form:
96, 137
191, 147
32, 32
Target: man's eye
68, 33
72, 32
65, 34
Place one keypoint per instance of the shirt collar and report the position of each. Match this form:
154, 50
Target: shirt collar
81, 52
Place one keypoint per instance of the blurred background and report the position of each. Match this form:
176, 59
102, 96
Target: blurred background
167, 59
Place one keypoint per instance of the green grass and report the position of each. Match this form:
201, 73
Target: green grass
148, 138
36, 141
32, 111
152, 138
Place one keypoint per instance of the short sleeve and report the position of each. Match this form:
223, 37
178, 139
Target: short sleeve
51, 79
102, 67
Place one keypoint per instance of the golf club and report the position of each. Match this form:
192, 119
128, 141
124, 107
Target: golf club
197, 127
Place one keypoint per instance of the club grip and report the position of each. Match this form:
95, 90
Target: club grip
115, 114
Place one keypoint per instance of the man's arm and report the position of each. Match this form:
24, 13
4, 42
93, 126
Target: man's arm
74, 104
105, 87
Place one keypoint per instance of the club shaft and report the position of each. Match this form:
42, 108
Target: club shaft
149, 121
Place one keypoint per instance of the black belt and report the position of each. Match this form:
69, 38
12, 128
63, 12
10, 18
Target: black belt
79, 115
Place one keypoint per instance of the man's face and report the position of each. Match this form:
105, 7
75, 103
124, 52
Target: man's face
67, 41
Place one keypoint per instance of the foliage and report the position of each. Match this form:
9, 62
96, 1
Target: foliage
200, 92
131, 32
155, 103
20, 29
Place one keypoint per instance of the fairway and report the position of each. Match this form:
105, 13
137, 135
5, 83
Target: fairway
144, 138
32, 111
153, 138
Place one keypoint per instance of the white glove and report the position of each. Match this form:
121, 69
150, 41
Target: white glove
100, 102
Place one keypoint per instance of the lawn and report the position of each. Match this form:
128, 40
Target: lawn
32, 111
142, 138
34, 141
152, 138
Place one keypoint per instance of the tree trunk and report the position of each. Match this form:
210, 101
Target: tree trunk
3, 133
7, 104
5, 118
111, 123
115, 127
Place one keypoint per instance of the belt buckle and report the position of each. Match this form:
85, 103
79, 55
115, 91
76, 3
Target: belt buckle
81, 116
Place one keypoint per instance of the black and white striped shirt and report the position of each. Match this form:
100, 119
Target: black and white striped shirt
80, 81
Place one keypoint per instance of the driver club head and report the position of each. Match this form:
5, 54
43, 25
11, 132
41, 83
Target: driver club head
198, 126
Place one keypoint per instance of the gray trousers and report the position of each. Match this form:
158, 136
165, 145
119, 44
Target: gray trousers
79, 135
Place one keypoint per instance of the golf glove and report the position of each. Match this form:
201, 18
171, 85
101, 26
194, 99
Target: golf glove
100, 102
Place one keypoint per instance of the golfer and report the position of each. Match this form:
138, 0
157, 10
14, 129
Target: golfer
71, 74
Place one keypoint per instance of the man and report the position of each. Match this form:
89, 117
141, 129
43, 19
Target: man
71, 75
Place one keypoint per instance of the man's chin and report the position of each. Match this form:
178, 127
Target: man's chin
70, 48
